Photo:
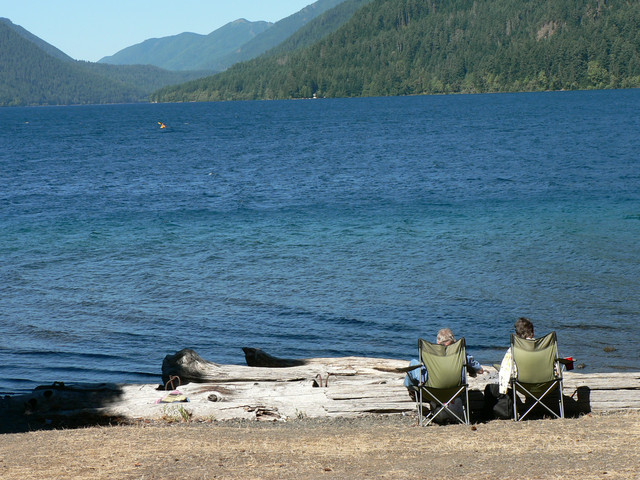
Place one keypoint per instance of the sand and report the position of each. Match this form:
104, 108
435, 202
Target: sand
393, 447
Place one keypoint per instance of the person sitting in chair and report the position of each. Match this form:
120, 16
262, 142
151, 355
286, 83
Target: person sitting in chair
445, 337
524, 329
498, 397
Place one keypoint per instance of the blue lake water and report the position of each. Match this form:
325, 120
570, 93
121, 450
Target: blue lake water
315, 228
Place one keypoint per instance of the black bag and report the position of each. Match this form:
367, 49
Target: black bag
503, 407
498, 405
445, 417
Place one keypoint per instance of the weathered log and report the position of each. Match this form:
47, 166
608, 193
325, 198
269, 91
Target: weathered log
345, 386
258, 358
190, 367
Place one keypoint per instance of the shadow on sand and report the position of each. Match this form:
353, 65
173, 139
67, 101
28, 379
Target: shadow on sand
59, 406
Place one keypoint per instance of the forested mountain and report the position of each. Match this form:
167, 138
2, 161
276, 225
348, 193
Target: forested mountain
49, 49
320, 26
190, 51
401, 47
33, 72
30, 76
147, 78
278, 33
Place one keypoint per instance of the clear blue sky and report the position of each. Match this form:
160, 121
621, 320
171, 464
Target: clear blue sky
91, 29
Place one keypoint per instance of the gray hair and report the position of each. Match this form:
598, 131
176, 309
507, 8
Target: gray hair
445, 335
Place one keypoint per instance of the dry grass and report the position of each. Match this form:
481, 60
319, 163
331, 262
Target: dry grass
590, 447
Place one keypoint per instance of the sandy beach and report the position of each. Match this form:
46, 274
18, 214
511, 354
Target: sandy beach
593, 446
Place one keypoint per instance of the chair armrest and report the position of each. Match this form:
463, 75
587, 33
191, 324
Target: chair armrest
409, 368
566, 362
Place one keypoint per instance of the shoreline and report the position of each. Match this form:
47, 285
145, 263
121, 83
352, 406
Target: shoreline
344, 387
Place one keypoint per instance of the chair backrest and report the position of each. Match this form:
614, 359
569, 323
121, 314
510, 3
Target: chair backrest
535, 359
444, 364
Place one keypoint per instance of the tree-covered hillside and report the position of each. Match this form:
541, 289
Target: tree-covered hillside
320, 27
401, 47
47, 48
29, 75
278, 33
146, 77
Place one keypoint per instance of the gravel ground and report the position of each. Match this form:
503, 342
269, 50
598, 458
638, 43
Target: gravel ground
392, 447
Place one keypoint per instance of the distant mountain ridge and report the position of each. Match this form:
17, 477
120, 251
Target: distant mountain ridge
234, 42
189, 51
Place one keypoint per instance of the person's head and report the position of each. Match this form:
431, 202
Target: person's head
445, 337
524, 328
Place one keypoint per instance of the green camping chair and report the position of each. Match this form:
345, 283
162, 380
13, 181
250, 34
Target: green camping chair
445, 381
538, 373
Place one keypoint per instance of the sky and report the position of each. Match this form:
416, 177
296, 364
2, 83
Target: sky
91, 29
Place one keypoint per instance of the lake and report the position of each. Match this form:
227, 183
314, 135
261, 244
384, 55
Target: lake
316, 228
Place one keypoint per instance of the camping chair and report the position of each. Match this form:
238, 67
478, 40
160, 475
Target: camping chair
538, 373
445, 380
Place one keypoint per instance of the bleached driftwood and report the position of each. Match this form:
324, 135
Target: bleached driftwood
190, 367
320, 387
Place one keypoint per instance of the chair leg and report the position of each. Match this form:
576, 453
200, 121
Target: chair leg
445, 406
538, 401
560, 388
467, 409
430, 417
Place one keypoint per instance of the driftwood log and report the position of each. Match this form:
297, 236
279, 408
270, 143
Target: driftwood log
598, 392
280, 389
190, 367
257, 358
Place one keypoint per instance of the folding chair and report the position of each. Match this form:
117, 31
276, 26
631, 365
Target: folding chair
445, 380
538, 373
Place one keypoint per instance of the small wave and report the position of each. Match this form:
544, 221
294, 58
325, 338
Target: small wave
476, 348
47, 334
584, 326
306, 337
95, 372
67, 354
16, 386
350, 321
